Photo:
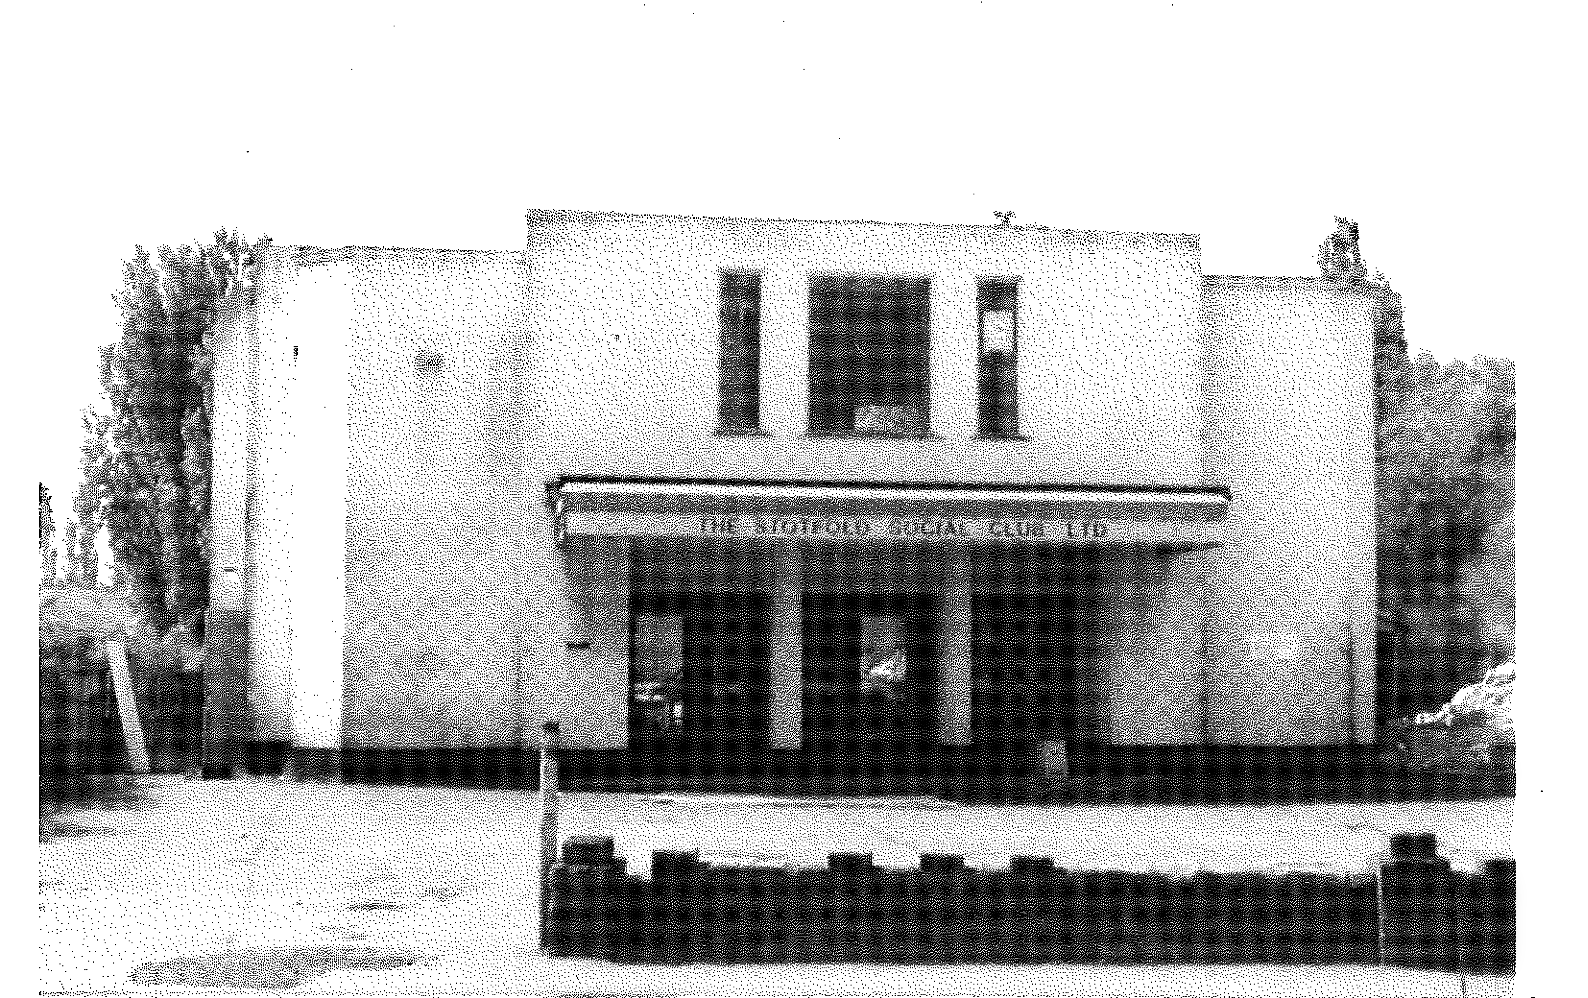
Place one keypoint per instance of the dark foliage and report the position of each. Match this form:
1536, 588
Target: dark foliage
1446, 498
146, 463
46, 518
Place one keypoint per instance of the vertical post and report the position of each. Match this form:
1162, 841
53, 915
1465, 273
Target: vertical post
548, 798
785, 698
954, 642
1416, 914
127, 706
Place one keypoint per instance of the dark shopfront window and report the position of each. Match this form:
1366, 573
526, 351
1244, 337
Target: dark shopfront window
1026, 659
698, 672
868, 355
868, 672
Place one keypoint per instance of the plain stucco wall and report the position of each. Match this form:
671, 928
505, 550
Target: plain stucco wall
320, 323
1153, 669
436, 497
1290, 431
584, 684
285, 314
387, 556
1110, 349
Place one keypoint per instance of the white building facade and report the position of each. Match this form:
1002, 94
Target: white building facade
791, 486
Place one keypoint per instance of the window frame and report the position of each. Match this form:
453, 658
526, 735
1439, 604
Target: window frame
831, 675
751, 355
925, 360
988, 287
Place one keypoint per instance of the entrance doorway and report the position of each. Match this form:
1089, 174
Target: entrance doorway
698, 668
1028, 675
869, 675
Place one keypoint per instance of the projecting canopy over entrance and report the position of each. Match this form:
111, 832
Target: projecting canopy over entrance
1179, 519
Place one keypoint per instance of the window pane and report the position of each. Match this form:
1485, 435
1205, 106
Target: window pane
884, 658
997, 368
868, 669
698, 666
868, 354
739, 373
998, 332
658, 700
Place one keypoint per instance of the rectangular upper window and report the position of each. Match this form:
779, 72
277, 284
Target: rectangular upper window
739, 352
868, 355
997, 370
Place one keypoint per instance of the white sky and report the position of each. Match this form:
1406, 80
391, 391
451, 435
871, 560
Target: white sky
1248, 126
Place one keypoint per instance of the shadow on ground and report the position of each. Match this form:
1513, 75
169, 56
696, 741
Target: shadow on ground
269, 966
61, 801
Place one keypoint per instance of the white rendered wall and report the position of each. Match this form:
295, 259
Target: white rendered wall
1290, 420
318, 459
271, 498
625, 319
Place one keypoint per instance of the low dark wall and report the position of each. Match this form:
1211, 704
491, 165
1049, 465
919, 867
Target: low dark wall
1030, 912
1227, 774
79, 731
1098, 774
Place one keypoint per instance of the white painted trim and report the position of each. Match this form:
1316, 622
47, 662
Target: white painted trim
893, 494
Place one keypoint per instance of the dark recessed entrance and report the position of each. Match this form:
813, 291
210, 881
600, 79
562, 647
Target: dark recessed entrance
698, 672
1036, 644
1028, 675
869, 672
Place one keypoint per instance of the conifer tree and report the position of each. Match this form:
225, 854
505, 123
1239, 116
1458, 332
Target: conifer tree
153, 480
46, 518
1445, 491
46, 534
93, 463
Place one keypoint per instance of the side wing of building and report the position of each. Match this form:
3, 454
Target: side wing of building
370, 492
1290, 418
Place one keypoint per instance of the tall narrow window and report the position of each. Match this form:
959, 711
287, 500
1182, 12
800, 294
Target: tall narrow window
998, 407
868, 355
739, 374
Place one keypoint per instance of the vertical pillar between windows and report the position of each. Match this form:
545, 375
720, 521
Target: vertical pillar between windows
786, 672
786, 364
593, 709
954, 641
952, 357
